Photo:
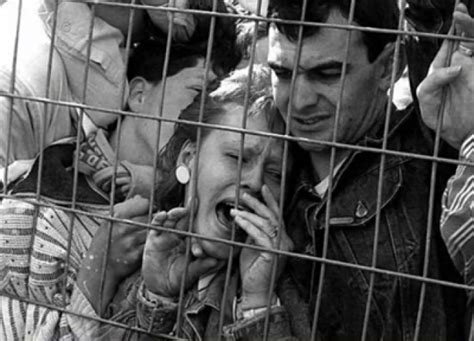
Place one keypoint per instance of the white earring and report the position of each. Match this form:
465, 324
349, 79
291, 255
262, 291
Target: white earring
182, 174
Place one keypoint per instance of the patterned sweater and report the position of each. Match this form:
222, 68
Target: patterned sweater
34, 266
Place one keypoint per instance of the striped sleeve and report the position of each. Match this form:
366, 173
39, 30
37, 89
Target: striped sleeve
38, 269
457, 223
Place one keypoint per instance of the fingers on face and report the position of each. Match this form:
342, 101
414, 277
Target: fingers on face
159, 218
270, 200
173, 219
262, 231
257, 206
179, 218
260, 235
177, 213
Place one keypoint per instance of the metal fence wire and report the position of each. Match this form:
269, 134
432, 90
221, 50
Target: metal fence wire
21, 292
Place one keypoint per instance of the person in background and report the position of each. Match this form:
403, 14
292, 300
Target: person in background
246, 30
457, 81
135, 138
26, 69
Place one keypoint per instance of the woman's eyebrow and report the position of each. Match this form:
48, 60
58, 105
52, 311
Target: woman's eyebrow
248, 151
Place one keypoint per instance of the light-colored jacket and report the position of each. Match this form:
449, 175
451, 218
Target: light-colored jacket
29, 67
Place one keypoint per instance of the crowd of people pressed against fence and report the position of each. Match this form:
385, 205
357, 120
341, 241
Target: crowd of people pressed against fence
133, 207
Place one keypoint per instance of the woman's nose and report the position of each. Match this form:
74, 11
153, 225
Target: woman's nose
252, 180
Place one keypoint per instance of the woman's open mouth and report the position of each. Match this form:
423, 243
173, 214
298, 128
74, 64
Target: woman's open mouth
225, 218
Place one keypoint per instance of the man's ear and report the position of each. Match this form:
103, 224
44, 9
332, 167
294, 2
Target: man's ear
186, 155
136, 98
385, 61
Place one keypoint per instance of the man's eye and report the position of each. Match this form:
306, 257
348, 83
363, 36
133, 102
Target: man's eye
329, 74
332, 73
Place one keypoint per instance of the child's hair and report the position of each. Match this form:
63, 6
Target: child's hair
231, 90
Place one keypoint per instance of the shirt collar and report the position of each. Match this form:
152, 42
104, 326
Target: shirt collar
374, 138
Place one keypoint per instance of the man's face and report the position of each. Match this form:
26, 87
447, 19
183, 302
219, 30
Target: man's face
318, 84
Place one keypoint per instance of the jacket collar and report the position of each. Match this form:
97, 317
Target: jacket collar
357, 203
197, 321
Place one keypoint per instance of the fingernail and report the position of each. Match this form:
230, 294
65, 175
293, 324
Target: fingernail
233, 211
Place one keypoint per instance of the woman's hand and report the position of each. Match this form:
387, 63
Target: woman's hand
263, 228
124, 255
164, 259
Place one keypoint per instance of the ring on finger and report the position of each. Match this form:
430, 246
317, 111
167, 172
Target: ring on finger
465, 50
274, 233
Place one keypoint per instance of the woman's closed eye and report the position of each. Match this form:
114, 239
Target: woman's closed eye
232, 156
274, 174
235, 157
332, 74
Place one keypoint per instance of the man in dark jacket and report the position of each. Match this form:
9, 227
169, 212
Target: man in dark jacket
371, 216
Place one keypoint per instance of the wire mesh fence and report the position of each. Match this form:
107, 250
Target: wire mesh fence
366, 259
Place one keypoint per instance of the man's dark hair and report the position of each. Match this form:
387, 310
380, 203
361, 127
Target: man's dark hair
224, 56
369, 13
148, 60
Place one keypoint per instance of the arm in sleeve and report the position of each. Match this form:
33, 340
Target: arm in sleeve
457, 223
133, 308
27, 125
253, 327
32, 278
20, 123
